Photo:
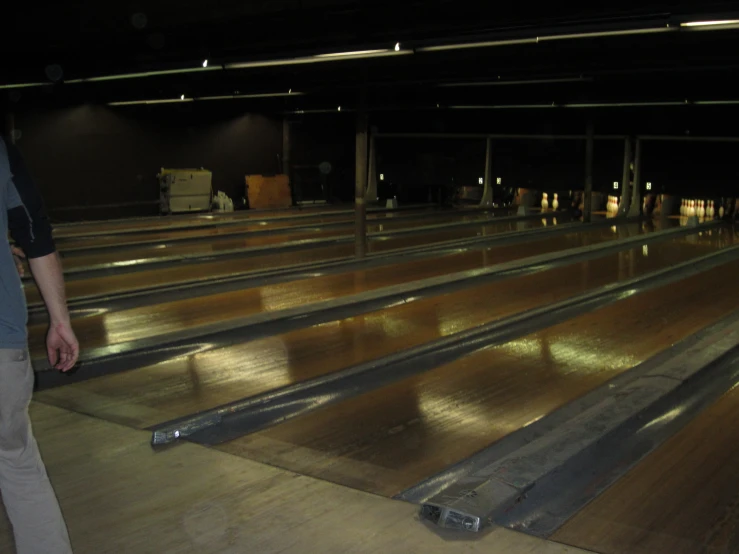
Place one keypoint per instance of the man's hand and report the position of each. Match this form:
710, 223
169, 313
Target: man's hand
62, 346
18, 256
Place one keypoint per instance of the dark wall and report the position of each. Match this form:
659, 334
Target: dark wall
318, 138
96, 155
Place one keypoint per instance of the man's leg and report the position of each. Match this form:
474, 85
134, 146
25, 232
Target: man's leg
30, 501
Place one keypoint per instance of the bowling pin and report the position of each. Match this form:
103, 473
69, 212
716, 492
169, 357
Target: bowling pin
721, 211
702, 209
609, 208
709, 209
691, 210
555, 203
682, 207
544, 201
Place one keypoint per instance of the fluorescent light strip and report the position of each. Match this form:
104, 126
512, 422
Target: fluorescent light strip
144, 74
595, 105
239, 96
330, 110
716, 102
710, 23
538, 39
353, 54
143, 102
503, 107
522, 82
320, 58
24, 85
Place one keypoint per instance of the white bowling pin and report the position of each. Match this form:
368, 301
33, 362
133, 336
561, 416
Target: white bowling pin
710, 212
555, 203
610, 204
682, 207
691, 209
702, 209
721, 211
544, 201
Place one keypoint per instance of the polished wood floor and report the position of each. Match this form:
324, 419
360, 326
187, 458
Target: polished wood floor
142, 253
390, 439
121, 497
92, 228
142, 279
178, 387
159, 319
376, 223
682, 499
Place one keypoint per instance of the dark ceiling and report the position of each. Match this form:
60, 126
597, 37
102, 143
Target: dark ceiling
68, 41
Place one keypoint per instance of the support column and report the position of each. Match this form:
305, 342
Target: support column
636, 204
360, 188
627, 196
286, 154
588, 196
371, 195
487, 192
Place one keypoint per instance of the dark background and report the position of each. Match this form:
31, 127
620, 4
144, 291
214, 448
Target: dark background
86, 153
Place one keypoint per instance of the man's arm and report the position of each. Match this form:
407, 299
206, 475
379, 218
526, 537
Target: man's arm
31, 230
61, 344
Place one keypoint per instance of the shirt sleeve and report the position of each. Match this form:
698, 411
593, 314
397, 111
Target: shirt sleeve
27, 220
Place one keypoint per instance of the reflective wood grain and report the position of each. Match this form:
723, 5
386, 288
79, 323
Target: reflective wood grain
190, 384
158, 319
390, 439
682, 499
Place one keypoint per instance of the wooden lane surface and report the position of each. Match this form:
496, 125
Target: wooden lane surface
186, 385
164, 222
682, 499
147, 278
120, 496
157, 319
143, 253
376, 223
390, 439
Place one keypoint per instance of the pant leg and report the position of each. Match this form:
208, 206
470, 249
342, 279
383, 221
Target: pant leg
32, 507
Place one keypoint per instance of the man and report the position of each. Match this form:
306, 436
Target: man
29, 499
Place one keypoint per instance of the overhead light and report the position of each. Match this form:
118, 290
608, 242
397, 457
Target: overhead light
182, 97
710, 23
481, 181
397, 47
587, 105
339, 108
543, 38
23, 85
649, 186
350, 54
321, 58
143, 74
241, 96
519, 82
290, 91
382, 176
205, 63
143, 102
615, 185
502, 107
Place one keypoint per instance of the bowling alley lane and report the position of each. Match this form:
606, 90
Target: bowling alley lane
157, 319
126, 282
390, 439
378, 221
92, 228
682, 499
178, 387
211, 243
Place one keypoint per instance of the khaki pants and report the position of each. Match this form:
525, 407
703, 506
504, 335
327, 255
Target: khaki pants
38, 524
